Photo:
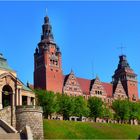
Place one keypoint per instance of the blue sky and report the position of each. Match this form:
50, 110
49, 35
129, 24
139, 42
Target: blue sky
89, 35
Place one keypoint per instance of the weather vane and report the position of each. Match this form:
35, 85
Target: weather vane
46, 11
121, 48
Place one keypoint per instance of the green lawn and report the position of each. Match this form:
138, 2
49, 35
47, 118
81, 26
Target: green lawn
54, 129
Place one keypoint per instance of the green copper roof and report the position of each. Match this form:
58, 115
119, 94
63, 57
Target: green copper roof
3, 63
26, 88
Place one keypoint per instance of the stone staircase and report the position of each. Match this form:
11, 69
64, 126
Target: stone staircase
5, 114
9, 136
8, 132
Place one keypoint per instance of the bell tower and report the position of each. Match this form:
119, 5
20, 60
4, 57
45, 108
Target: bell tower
48, 73
128, 78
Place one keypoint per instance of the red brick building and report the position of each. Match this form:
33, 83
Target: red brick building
48, 74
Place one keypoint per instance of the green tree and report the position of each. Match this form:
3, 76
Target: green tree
80, 107
66, 106
95, 105
47, 100
107, 112
122, 110
134, 110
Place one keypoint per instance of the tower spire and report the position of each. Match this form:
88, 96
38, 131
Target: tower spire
128, 78
47, 34
48, 72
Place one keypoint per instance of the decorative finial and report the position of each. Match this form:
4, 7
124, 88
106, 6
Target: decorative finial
97, 76
72, 71
27, 84
46, 11
121, 48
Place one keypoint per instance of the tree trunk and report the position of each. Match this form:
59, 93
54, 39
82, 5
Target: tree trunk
95, 119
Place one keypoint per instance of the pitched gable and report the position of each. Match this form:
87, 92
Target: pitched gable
97, 89
71, 85
119, 92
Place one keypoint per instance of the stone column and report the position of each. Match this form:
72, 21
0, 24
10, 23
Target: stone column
28, 100
19, 97
34, 101
0, 99
13, 99
16, 97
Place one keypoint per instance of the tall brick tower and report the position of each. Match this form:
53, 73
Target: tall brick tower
127, 77
48, 73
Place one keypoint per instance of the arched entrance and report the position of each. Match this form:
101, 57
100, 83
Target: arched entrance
7, 96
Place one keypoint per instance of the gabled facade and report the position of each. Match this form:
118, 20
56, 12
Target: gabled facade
119, 92
48, 74
71, 86
97, 89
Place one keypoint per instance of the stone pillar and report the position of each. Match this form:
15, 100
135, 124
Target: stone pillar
19, 97
13, 99
0, 99
13, 117
34, 101
16, 98
28, 100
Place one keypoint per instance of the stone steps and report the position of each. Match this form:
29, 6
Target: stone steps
9, 136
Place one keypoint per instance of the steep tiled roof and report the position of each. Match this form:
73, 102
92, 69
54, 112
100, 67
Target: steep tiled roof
109, 88
84, 84
65, 77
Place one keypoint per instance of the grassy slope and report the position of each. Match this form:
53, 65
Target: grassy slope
85, 130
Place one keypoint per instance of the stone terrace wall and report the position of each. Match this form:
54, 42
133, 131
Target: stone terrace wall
31, 116
5, 114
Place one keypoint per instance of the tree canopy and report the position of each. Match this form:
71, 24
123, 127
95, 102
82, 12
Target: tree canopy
94, 107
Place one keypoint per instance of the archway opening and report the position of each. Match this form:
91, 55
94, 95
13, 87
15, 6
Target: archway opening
7, 96
24, 100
